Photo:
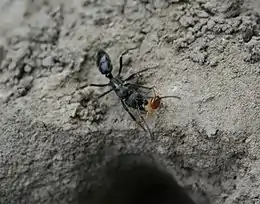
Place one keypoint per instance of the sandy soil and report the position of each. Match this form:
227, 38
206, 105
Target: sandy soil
54, 138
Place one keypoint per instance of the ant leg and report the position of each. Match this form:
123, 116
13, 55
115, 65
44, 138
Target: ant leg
103, 94
121, 59
132, 115
147, 126
140, 86
136, 73
99, 85
96, 85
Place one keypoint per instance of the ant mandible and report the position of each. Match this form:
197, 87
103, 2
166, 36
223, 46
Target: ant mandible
127, 92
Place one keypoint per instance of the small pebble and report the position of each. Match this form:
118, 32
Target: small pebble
202, 14
211, 24
28, 69
47, 62
187, 21
211, 37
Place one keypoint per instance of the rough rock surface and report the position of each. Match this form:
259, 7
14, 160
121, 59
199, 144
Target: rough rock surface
54, 137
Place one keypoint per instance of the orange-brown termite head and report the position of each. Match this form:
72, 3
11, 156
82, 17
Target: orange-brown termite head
155, 102
152, 105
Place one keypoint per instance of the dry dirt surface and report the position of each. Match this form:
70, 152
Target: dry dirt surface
55, 139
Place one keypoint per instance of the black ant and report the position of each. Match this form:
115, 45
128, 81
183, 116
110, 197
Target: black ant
127, 92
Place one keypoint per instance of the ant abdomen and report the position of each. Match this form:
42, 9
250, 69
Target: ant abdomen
104, 62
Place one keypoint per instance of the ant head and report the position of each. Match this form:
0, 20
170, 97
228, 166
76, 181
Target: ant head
104, 63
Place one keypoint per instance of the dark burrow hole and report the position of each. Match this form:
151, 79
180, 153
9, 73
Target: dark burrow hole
138, 182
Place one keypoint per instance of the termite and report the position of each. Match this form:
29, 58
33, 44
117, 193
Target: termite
154, 102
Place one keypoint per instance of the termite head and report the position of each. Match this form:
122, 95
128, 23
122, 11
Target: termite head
155, 102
